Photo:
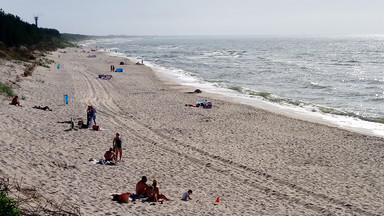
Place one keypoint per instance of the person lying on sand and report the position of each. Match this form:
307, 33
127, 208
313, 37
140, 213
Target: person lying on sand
42, 108
191, 105
15, 101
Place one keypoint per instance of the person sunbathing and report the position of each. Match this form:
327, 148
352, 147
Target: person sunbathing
42, 108
154, 195
15, 101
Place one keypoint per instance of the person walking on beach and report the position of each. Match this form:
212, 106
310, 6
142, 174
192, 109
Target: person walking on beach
118, 147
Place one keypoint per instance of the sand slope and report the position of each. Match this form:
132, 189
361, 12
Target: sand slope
258, 162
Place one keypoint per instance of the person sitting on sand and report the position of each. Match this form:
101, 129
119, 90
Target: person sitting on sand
42, 108
142, 188
109, 155
15, 101
154, 195
187, 195
118, 148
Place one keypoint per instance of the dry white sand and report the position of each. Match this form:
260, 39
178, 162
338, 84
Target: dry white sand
257, 162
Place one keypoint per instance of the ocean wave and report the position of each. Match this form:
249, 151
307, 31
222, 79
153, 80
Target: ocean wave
224, 53
315, 85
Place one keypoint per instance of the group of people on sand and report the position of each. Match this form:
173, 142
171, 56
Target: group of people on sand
112, 68
138, 63
116, 151
149, 193
15, 101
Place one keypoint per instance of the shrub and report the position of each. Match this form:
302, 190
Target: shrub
8, 206
6, 89
44, 62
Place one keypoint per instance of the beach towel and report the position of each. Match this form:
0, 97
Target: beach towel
119, 69
105, 77
103, 162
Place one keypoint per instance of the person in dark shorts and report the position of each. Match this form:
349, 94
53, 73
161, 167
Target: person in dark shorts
117, 144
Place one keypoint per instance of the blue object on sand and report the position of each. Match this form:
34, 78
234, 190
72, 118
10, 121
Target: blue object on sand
66, 99
58, 66
119, 69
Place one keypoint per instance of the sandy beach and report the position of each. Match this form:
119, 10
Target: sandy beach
258, 162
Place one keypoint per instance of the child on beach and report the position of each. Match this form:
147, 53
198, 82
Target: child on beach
187, 195
117, 144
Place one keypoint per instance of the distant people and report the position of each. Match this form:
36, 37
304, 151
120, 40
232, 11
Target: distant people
91, 116
142, 188
15, 101
142, 62
111, 68
154, 195
117, 144
187, 195
109, 155
42, 108
138, 63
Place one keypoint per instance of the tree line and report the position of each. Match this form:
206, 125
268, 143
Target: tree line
14, 33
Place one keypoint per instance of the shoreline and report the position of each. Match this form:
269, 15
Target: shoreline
257, 162
343, 122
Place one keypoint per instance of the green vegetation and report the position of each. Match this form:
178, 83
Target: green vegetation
8, 206
44, 62
26, 42
20, 40
6, 89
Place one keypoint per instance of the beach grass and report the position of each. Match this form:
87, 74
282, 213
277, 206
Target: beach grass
4, 89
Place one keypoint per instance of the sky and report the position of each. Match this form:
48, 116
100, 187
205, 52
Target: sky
203, 17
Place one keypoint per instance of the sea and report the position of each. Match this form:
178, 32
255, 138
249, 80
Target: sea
337, 80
